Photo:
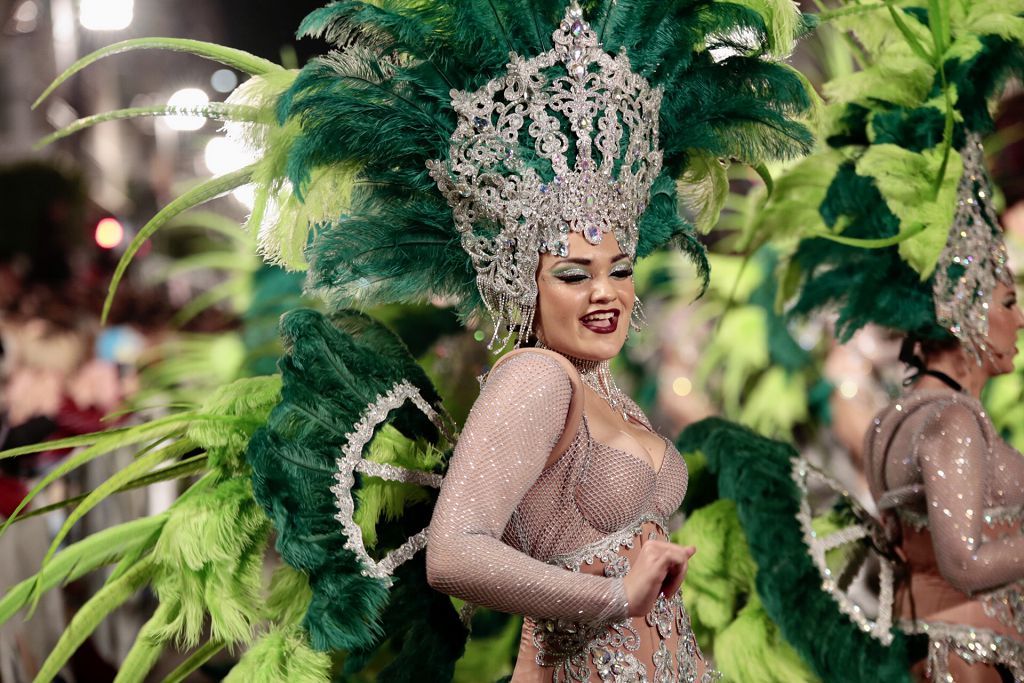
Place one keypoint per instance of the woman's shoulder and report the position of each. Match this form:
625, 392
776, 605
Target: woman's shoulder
548, 376
538, 363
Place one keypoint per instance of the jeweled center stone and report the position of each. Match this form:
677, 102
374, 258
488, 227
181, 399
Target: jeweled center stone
592, 233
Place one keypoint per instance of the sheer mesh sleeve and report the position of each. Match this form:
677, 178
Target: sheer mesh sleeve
954, 459
508, 438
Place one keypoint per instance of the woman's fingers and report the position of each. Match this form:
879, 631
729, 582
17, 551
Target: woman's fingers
660, 568
677, 570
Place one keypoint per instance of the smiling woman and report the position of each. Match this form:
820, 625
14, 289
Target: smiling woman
556, 500
552, 148
593, 288
558, 470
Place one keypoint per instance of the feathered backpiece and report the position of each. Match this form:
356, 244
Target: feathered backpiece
893, 213
344, 465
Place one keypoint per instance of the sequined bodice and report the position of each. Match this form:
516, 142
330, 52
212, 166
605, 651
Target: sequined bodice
523, 529
937, 465
591, 491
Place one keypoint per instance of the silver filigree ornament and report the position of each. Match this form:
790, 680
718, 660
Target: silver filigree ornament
564, 142
807, 477
974, 259
352, 461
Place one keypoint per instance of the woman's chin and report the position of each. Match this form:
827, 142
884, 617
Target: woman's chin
600, 347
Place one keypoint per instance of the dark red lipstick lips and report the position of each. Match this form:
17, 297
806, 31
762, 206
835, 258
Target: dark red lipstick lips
601, 326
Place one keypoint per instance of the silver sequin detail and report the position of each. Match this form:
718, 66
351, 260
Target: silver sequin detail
508, 177
619, 667
351, 461
974, 258
1007, 605
973, 645
663, 670
661, 616
804, 475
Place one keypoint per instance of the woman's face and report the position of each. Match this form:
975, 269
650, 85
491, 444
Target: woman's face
1005, 320
584, 300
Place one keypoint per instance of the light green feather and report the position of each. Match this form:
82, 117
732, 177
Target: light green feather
378, 498
197, 196
282, 655
90, 615
236, 59
97, 550
704, 188
906, 180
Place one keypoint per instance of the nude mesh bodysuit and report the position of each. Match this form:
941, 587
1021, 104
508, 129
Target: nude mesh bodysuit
953, 492
552, 540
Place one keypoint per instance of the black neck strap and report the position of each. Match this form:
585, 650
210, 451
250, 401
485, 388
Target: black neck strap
908, 356
944, 378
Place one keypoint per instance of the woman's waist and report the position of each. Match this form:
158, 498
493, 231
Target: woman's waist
928, 597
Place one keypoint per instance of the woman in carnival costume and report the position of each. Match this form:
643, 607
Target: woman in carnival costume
555, 137
896, 227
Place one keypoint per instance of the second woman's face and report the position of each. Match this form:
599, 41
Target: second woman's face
584, 300
1005, 320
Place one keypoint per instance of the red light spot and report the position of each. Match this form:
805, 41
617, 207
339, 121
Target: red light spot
109, 233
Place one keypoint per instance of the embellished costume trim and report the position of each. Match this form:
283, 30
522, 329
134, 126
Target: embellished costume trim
818, 546
1007, 605
351, 461
973, 645
572, 648
606, 549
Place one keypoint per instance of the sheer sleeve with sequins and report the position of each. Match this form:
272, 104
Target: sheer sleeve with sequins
954, 459
510, 433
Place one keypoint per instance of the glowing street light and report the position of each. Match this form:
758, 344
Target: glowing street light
106, 15
187, 98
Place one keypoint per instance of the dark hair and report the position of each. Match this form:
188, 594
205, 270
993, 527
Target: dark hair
909, 355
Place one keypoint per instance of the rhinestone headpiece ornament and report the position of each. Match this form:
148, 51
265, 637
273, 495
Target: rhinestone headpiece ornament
974, 258
564, 142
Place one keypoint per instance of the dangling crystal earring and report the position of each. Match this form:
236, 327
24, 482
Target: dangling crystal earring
637, 320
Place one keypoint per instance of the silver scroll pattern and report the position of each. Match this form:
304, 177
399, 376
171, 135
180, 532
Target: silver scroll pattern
575, 110
352, 461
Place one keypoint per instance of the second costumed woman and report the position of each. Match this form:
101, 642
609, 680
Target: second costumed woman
895, 226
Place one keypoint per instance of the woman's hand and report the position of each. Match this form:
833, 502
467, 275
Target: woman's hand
660, 568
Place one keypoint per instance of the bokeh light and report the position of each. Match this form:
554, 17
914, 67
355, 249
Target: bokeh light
109, 233
106, 15
224, 155
224, 80
682, 386
187, 98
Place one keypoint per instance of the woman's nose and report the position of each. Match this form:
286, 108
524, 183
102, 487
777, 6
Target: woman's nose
602, 290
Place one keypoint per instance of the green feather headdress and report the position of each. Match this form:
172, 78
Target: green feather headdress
385, 109
341, 178
876, 202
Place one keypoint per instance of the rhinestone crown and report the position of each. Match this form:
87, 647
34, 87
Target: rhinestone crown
564, 142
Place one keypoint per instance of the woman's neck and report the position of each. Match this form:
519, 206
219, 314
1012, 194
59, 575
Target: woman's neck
957, 366
597, 375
